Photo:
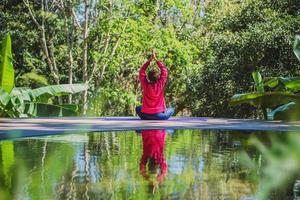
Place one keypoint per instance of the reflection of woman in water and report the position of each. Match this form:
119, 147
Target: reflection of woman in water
153, 157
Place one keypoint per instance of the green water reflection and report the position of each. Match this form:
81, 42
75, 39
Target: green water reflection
182, 164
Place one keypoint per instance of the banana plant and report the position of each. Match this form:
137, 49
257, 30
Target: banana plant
24, 102
280, 103
283, 100
264, 99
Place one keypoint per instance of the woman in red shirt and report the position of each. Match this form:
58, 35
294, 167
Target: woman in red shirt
153, 101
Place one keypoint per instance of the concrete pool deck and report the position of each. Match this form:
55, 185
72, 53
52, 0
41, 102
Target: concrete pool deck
24, 127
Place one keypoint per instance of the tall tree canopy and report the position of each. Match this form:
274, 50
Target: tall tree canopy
239, 37
210, 48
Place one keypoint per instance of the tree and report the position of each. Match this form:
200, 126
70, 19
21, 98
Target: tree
239, 37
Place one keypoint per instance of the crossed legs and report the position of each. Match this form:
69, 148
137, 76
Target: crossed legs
159, 116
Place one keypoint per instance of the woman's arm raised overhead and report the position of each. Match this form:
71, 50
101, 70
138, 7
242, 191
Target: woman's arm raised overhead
142, 73
163, 69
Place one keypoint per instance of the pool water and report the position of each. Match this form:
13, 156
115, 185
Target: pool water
155, 164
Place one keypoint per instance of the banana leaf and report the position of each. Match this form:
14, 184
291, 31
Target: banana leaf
272, 82
7, 73
21, 93
57, 90
296, 46
288, 112
13, 108
259, 85
291, 83
23, 101
4, 97
264, 99
74, 107
288, 82
42, 94
49, 110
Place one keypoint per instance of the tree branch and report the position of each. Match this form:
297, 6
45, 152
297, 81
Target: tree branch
76, 20
31, 14
113, 51
45, 49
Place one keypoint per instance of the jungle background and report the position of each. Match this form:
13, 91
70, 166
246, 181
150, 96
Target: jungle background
210, 47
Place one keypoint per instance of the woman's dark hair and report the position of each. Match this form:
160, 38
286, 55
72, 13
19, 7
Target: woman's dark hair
152, 165
153, 76
148, 56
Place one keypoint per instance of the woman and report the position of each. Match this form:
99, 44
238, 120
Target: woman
153, 101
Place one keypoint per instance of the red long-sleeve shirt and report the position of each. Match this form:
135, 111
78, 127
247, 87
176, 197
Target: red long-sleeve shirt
153, 94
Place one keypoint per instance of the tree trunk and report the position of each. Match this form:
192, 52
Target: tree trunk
68, 12
85, 52
70, 39
70, 73
47, 45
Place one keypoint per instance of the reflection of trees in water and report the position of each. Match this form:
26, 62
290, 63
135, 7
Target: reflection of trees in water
35, 170
223, 175
202, 164
114, 157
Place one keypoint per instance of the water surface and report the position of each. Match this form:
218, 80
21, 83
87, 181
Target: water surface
159, 164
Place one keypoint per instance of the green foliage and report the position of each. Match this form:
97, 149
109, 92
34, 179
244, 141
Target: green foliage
7, 73
264, 99
237, 38
274, 99
22, 102
279, 164
283, 102
259, 85
7, 149
297, 46
292, 83
48, 110
210, 58
43, 94
4, 97
149, 25
289, 111
32, 80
